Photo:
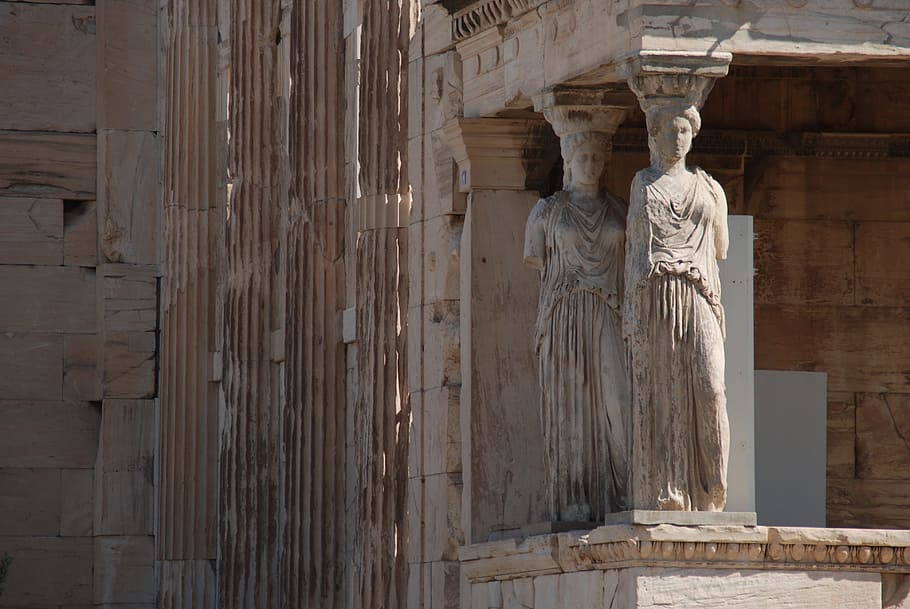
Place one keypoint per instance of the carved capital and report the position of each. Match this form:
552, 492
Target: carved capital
663, 78
571, 111
500, 153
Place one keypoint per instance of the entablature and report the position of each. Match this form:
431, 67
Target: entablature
514, 49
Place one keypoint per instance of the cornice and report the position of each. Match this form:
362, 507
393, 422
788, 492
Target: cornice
623, 546
485, 14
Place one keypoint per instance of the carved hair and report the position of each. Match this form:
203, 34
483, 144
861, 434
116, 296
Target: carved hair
569, 145
658, 116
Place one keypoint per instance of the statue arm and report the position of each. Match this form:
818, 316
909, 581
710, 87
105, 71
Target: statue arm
535, 240
721, 230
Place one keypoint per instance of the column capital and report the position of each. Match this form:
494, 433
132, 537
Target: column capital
600, 110
660, 78
500, 153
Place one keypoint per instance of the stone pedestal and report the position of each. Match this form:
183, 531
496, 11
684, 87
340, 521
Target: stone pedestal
637, 566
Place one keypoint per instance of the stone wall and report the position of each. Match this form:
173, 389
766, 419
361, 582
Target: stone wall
79, 253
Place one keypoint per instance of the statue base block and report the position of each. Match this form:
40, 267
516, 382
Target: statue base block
637, 566
746, 519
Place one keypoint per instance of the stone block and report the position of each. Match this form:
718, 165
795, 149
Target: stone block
441, 429
129, 196
546, 591
518, 593
48, 60
748, 589
442, 517
445, 581
124, 570
875, 85
130, 323
869, 503
856, 346
127, 58
48, 434
48, 165
77, 510
415, 176
80, 233
882, 425
81, 367
416, 93
582, 589
32, 365
415, 438
48, 299
440, 191
442, 257
882, 278
30, 501
859, 189
803, 262
124, 503
440, 351
841, 439
31, 231
48, 571
124, 476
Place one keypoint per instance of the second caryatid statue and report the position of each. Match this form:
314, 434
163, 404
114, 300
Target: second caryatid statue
575, 238
630, 326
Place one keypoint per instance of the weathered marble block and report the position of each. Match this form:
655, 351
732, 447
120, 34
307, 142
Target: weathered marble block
690, 567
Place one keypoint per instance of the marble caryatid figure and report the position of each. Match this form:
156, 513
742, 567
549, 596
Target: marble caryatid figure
673, 318
576, 239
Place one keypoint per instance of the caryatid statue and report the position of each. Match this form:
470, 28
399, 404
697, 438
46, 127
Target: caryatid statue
673, 320
576, 239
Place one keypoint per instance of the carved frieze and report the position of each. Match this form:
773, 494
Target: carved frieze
616, 547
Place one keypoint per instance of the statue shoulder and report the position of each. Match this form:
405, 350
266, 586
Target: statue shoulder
543, 207
714, 185
643, 178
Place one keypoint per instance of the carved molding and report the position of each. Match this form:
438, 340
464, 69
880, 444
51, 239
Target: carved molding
501, 153
486, 14
666, 546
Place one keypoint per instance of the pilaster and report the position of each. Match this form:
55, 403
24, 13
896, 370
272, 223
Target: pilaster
501, 153
501, 165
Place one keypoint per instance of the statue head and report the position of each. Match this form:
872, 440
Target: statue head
671, 129
584, 156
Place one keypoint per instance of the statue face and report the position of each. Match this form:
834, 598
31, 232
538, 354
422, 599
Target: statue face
587, 164
674, 139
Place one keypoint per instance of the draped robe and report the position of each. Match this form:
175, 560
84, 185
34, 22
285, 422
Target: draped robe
674, 327
584, 406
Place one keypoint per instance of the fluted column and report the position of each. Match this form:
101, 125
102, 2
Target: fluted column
314, 419
252, 518
194, 216
380, 406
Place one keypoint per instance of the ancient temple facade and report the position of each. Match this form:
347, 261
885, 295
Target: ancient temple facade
267, 334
